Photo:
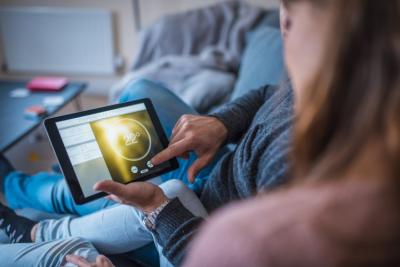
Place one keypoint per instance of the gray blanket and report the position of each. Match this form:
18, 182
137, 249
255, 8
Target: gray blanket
195, 54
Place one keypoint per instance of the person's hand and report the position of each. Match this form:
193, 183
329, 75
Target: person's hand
101, 261
202, 134
142, 195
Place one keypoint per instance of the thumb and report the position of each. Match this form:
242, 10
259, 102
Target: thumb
198, 165
101, 260
111, 187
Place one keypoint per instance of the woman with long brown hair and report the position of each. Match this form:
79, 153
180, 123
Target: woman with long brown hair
343, 209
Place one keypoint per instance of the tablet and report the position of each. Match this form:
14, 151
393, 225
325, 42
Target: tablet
110, 143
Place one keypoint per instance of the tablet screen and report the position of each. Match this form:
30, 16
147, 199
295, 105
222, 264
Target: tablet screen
115, 144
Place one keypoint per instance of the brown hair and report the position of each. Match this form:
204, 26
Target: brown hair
356, 95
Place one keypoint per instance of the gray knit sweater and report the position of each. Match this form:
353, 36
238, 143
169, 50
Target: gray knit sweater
259, 123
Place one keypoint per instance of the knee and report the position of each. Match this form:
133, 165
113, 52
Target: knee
175, 184
175, 188
137, 89
141, 84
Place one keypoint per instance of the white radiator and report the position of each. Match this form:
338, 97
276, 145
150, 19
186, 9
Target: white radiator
58, 40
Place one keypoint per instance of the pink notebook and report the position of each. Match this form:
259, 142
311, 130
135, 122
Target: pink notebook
42, 83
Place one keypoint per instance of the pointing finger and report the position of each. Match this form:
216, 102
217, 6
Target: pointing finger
171, 151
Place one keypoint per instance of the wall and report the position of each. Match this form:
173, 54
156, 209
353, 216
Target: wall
126, 37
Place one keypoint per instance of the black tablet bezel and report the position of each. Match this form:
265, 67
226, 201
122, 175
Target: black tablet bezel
66, 165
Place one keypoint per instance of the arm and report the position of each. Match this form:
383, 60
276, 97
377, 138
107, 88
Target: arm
175, 226
193, 132
238, 115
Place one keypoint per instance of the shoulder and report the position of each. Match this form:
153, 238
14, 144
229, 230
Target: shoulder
243, 232
307, 225
283, 91
277, 108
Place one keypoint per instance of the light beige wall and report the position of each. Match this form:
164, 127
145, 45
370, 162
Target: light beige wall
153, 9
125, 37
122, 11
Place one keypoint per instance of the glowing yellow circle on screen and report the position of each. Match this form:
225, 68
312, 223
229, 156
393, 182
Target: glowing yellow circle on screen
129, 139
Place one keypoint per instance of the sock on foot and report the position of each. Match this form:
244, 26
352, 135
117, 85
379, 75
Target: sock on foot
17, 228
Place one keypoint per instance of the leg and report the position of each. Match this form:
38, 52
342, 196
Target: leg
44, 191
47, 192
175, 188
45, 254
116, 229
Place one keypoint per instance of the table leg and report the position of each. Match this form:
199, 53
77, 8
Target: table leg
78, 105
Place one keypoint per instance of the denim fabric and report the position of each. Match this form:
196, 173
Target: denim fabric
45, 254
46, 192
120, 228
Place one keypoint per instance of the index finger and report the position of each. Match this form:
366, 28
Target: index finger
170, 152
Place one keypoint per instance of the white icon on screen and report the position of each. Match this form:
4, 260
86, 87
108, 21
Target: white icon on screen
149, 164
134, 169
144, 171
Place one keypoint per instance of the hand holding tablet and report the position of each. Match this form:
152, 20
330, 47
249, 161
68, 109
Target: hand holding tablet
110, 143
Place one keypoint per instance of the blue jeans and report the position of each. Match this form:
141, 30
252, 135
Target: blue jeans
48, 191
120, 228
113, 230
46, 253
